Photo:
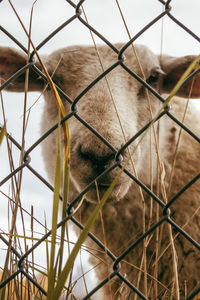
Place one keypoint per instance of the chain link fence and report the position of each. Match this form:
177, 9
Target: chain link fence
21, 259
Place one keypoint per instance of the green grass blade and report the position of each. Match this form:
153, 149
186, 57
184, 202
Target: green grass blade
69, 264
52, 271
64, 206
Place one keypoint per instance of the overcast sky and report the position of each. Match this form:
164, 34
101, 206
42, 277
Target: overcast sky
104, 16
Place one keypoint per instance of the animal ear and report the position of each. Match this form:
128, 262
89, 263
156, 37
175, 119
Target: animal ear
12, 61
173, 68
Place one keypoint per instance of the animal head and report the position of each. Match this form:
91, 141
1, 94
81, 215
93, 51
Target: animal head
116, 107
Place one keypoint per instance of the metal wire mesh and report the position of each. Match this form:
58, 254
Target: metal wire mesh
78, 16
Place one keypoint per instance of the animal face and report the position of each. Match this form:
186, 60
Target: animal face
115, 107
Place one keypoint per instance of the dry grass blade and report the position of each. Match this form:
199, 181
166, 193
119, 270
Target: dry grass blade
47, 248
52, 272
2, 133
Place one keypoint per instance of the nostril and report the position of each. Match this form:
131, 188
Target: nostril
97, 161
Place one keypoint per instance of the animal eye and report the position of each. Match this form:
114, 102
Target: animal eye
153, 77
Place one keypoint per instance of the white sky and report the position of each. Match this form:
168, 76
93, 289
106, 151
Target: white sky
104, 16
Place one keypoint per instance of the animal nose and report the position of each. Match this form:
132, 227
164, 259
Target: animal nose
98, 162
